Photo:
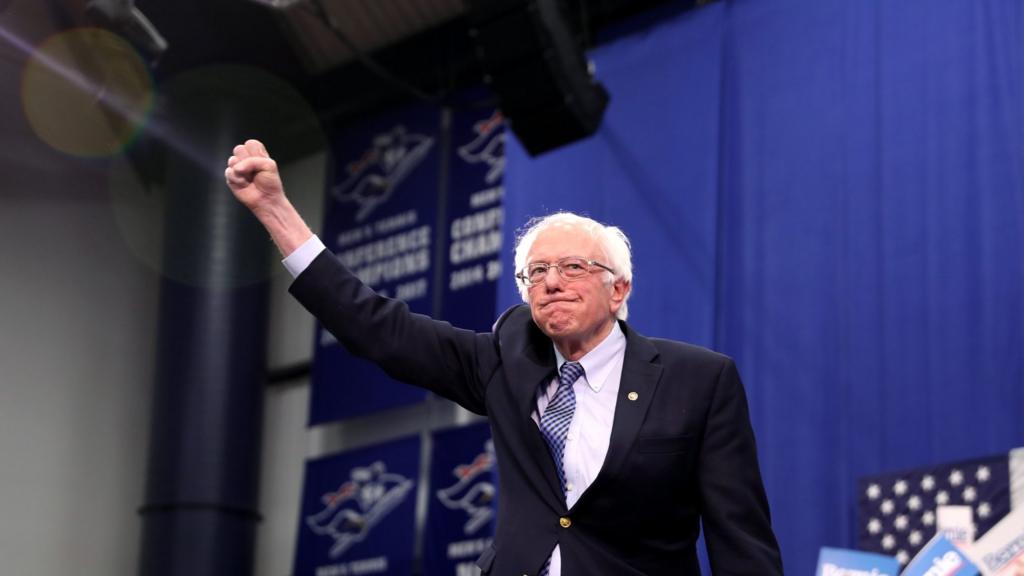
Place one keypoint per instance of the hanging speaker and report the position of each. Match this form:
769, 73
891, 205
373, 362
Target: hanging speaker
535, 65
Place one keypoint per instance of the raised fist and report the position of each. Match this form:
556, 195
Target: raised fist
252, 175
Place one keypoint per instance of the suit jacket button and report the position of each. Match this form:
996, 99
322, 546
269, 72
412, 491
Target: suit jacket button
564, 522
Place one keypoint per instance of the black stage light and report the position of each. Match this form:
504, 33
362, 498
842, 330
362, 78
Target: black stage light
536, 67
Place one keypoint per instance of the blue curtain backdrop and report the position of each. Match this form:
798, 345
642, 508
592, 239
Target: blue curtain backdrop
832, 192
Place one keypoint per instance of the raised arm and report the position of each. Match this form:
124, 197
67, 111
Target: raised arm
253, 178
412, 348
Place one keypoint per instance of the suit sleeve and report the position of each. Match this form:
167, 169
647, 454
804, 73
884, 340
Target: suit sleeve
412, 348
734, 507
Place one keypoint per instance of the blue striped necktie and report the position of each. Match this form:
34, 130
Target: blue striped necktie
554, 423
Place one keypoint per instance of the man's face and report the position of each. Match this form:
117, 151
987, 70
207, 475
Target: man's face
577, 314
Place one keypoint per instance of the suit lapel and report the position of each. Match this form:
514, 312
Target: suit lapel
640, 377
532, 365
535, 365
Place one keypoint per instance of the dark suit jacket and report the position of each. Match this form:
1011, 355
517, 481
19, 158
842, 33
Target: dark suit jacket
682, 452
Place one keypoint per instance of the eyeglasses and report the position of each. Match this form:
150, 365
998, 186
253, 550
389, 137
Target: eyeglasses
570, 268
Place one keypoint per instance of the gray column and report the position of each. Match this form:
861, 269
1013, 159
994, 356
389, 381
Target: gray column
200, 513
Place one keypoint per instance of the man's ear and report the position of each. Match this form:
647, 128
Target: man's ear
620, 289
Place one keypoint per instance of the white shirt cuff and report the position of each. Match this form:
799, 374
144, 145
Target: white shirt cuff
303, 256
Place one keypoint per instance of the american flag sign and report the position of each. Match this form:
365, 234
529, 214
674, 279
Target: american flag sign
897, 511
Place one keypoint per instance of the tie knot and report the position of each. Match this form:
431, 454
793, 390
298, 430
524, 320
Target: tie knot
569, 373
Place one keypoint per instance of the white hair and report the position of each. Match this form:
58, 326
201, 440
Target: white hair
612, 242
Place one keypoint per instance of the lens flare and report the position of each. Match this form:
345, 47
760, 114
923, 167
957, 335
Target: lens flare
201, 114
86, 92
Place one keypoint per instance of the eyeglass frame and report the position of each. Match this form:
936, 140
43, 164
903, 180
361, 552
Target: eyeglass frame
525, 278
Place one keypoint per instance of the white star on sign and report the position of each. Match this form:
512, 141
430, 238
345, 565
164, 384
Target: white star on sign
942, 498
902, 557
915, 538
874, 491
983, 474
970, 494
928, 518
887, 507
928, 483
901, 523
900, 487
956, 477
914, 502
874, 526
888, 542
984, 510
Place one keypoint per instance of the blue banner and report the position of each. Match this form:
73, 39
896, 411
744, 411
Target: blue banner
463, 502
358, 512
380, 221
840, 562
476, 213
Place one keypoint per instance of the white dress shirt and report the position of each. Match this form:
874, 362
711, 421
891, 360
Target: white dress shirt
303, 256
586, 443
590, 431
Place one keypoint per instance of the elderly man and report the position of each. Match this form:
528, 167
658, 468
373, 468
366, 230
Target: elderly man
613, 449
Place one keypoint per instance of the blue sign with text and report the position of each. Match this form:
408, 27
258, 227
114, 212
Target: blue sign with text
463, 501
475, 216
358, 512
840, 562
380, 221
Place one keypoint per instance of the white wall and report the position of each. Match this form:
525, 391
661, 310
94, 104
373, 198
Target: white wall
77, 315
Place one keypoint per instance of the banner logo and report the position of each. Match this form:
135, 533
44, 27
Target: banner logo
351, 511
946, 565
382, 167
488, 146
473, 492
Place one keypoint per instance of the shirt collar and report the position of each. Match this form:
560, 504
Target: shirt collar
598, 363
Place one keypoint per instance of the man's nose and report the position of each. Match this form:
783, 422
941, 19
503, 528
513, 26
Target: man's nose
553, 278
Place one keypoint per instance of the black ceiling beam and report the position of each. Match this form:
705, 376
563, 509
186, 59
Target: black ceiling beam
438, 61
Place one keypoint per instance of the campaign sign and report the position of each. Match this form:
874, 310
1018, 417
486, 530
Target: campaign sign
463, 502
358, 512
1000, 552
940, 557
839, 562
475, 217
380, 221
